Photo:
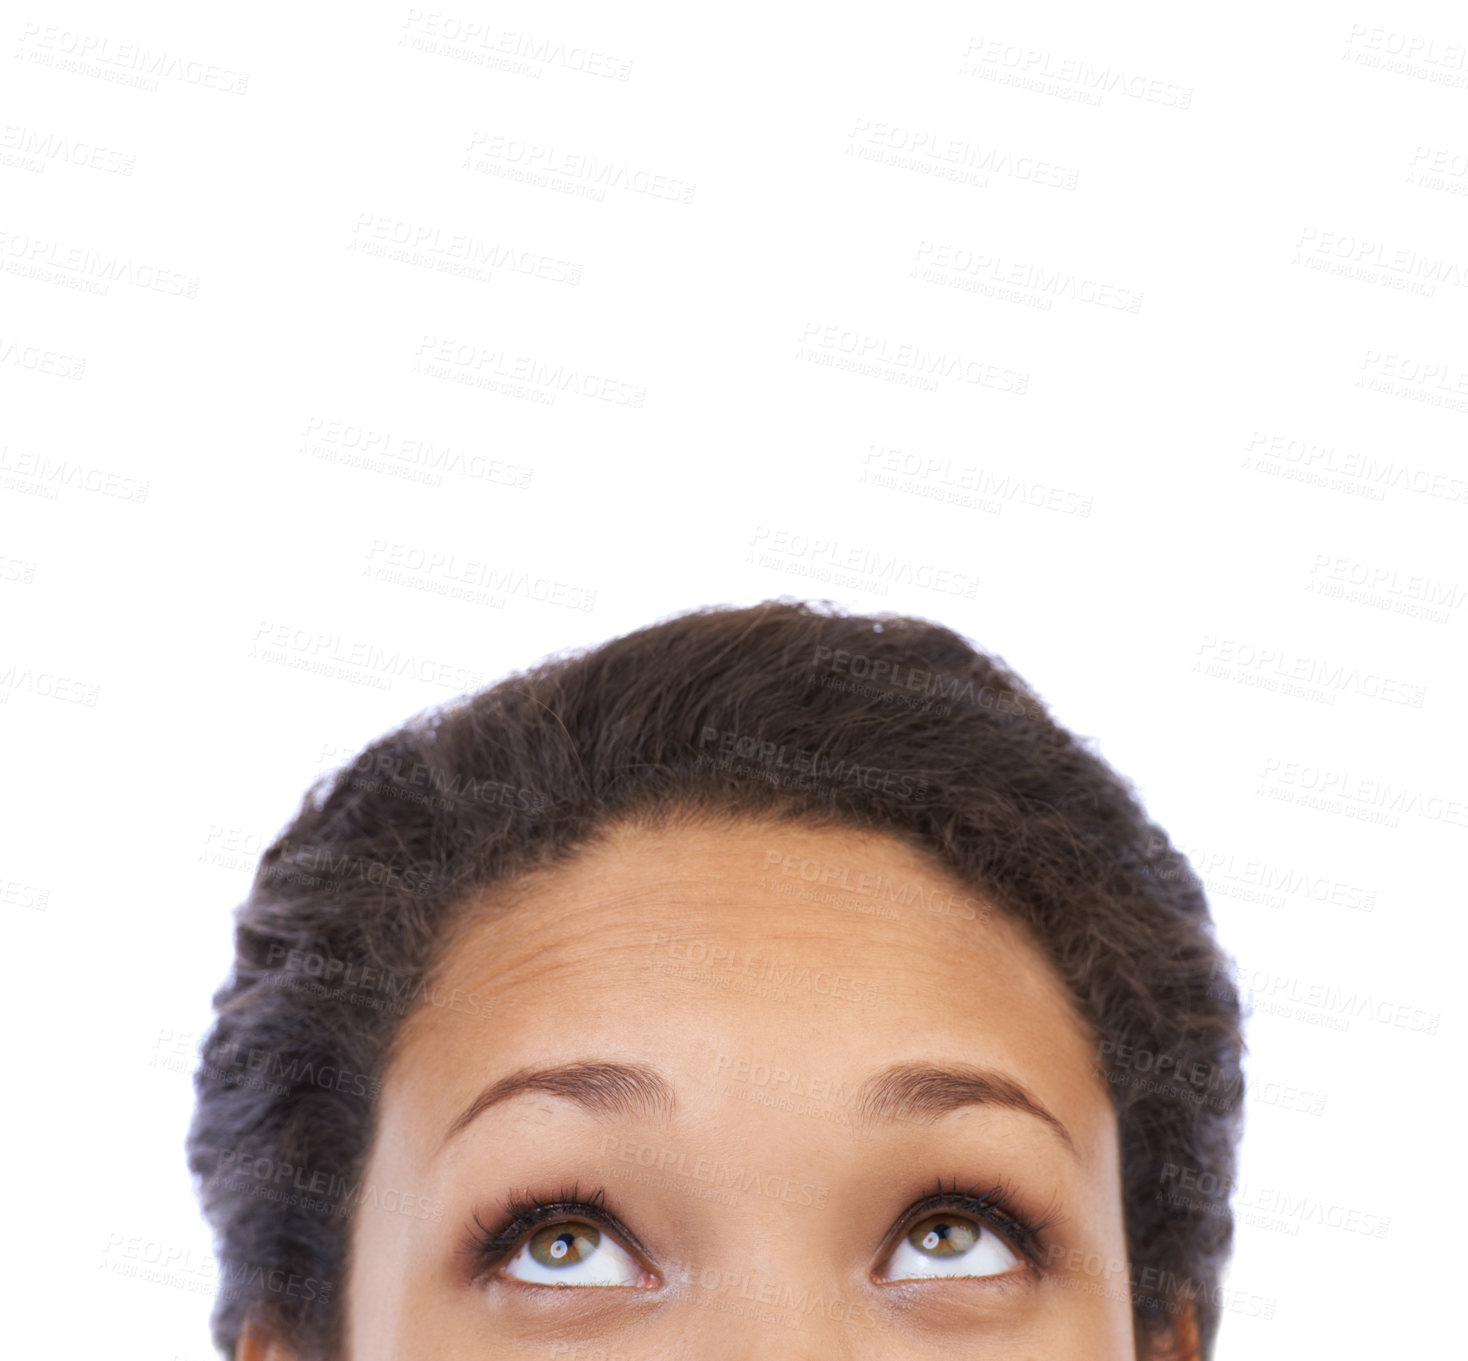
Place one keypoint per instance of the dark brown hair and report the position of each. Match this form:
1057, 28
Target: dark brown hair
784, 711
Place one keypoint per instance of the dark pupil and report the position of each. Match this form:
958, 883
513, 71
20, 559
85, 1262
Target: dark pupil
564, 1244
943, 1237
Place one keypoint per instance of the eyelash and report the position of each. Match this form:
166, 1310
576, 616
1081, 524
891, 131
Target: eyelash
995, 1207
522, 1214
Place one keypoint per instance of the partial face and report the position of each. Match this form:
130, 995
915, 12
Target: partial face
763, 1092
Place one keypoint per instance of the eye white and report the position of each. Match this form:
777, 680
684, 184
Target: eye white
571, 1253
927, 1251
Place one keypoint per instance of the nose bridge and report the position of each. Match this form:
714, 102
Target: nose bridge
778, 1283
783, 1301
746, 1330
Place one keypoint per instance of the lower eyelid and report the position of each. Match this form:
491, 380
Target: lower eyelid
1021, 1271
919, 1299
550, 1288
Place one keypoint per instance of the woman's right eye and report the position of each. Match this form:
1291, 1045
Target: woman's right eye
571, 1252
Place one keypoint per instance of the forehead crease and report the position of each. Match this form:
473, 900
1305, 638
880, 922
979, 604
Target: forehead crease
503, 962
600, 930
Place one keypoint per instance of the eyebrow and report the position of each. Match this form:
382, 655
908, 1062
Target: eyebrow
916, 1092
603, 1089
923, 1092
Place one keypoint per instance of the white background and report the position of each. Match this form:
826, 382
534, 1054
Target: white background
726, 241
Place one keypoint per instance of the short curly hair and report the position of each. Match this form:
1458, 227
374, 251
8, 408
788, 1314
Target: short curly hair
784, 711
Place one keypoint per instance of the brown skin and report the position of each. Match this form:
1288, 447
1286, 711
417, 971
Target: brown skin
766, 1230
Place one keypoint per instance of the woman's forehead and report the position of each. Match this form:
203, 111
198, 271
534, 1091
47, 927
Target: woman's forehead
723, 898
733, 953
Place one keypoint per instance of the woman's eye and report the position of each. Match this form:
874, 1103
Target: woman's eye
572, 1253
949, 1245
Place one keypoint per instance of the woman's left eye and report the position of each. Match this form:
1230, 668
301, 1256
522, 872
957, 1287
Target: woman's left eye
948, 1244
571, 1252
